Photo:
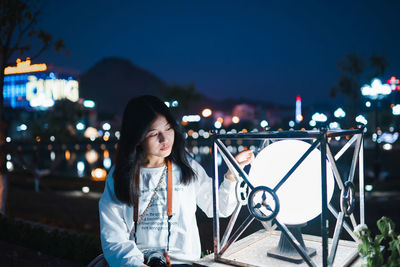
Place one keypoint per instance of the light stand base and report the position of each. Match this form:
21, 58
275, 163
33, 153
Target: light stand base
285, 251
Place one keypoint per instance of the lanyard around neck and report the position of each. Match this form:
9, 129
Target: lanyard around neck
169, 193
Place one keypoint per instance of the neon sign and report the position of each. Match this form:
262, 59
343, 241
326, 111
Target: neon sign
25, 67
43, 93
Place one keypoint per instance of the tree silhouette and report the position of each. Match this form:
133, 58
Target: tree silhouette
354, 73
186, 95
18, 31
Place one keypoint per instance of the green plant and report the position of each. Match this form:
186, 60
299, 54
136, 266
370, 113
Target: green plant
381, 250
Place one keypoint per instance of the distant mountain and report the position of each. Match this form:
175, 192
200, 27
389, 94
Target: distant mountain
113, 81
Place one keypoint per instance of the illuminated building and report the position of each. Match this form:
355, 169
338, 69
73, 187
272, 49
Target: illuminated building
33, 86
298, 115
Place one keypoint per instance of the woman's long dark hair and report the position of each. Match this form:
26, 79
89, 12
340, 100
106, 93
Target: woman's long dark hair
138, 116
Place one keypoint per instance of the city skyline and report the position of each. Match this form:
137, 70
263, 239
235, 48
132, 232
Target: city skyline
258, 50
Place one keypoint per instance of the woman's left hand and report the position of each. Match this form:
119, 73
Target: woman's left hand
243, 159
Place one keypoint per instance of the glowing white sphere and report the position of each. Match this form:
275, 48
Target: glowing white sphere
300, 196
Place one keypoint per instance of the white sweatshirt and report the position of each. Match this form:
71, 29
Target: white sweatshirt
116, 218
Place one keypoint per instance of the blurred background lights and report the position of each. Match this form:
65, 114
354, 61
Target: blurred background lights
376, 90
334, 125
80, 126
99, 174
394, 83
339, 113
361, 119
91, 133
387, 146
319, 117
85, 189
369, 187
80, 166
217, 124
388, 137
291, 123
22, 127
396, 109
235, 119
263, 123
107, 163
191, 118
10, 166
8, 139
174, 103
206, 112
91, 156
368, 104
106, 126
88, 104
312, 123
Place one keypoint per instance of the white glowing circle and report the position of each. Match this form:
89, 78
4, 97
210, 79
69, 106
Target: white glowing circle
361, 119
85, 189
217, 124
263, 123
291, 123
396, 109
339, 113
300, 196
80, 126
106, 126
195, 135
80, 165
387, 147
368, 104
107, 163
10, 166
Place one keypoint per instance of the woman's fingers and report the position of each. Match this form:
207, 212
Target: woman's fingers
245, 157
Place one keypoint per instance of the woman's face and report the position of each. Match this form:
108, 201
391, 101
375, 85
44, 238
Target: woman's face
159, 140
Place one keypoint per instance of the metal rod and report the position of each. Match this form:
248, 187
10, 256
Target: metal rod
345, 225
334, 168
290, 172
343, 132
294, 243
335, 241
232, 161
229, 164
271, 135
324, 195
237, 233
345, 147
216, 203
354, 160
353, 220
361, 180
231, 223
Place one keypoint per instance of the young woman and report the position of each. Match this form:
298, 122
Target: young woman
141, 215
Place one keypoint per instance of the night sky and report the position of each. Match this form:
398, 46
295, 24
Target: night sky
266, 50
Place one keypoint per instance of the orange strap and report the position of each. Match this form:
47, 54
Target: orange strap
169, 188
169, 193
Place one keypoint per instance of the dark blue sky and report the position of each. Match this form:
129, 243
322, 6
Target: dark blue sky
269, 50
